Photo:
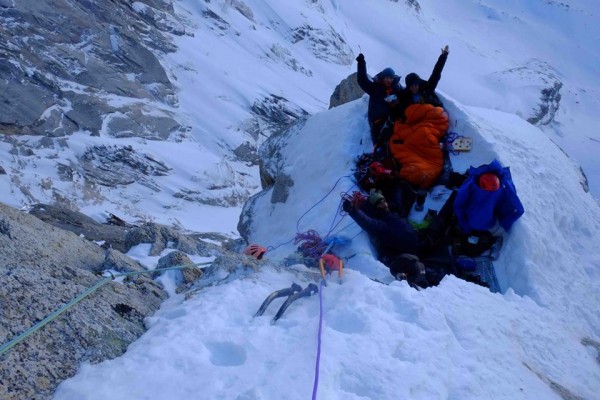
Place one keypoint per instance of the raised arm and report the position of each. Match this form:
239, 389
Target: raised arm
363, 79
436, 74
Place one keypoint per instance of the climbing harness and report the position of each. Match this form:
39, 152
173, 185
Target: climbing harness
22, 336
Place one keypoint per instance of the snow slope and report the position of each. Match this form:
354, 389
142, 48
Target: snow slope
502, 55
456, 341
538, 340
236, 54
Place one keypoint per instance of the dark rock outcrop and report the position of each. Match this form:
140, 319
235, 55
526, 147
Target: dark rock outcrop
60, 216
118, 236
327, 45
59, 81
347, 91
121, 165
548, 106
185, 276
273, 114
162, 237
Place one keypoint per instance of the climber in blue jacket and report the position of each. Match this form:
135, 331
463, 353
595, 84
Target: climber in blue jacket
487, 198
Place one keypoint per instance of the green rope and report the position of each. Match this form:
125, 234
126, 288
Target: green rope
18, 339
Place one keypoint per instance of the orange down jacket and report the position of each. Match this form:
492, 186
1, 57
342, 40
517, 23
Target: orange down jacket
416, 144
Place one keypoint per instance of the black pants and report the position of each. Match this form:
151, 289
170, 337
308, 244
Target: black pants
439, 226
381, 131
400, 196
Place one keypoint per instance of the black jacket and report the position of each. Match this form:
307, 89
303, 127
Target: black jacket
390, 234
378, 107
426, 93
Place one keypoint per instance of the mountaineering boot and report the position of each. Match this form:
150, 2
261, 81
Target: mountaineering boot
309, 290
439, 223
276, 294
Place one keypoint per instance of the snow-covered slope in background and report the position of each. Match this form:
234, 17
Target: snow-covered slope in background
536, 59
243, 70
456, 341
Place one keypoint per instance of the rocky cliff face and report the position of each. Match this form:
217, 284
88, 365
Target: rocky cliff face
68, 62
52, 255
42, 268
346, 91
89, 68
83, 80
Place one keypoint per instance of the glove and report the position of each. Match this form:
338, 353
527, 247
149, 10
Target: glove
377, 169
347, 206
360, 58
445, 50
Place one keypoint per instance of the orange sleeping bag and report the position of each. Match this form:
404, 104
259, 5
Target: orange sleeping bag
416, 144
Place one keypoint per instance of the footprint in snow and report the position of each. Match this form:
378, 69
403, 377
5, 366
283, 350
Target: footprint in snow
226, 354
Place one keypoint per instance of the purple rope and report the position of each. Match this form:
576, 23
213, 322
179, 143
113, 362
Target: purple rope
319, 202
311, 234
335, 226
313, 245
332, 226
318, 362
